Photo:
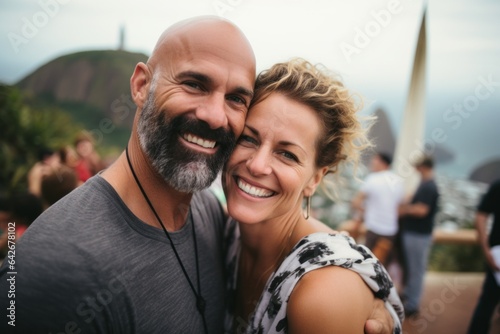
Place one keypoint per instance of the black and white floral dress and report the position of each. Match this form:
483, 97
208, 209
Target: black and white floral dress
311, 252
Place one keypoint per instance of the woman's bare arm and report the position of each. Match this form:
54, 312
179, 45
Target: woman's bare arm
329, 300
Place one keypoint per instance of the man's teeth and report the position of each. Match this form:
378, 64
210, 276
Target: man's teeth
251, 190
199, 141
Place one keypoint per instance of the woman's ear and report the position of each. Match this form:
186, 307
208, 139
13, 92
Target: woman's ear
315, 181
139, 84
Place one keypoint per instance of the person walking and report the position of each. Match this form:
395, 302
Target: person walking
417, 221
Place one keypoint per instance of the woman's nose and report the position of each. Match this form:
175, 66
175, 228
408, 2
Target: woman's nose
259, 162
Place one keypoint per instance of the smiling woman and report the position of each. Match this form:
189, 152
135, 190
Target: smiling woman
275, 159
286, 273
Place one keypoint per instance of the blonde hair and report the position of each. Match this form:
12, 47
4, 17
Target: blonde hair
344, 136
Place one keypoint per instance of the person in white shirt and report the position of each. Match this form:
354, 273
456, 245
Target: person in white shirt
377, 201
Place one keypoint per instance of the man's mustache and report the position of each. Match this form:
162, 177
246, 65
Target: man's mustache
183, 124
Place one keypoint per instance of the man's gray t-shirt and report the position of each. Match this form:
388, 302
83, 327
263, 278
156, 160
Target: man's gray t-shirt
88, 263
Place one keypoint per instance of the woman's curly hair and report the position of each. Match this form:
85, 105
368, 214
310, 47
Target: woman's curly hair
344, 135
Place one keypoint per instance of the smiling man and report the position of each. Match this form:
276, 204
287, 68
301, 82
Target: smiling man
139, 248
101, 260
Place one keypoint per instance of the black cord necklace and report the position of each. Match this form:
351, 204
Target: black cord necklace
200, 302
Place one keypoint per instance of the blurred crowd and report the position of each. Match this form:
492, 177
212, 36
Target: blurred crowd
55, 174
399, 231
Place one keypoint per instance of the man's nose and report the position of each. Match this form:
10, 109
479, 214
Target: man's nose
213, 111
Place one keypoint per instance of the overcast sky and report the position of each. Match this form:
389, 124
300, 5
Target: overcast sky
463, 35
371, 43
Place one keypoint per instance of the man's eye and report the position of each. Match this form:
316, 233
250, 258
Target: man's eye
237, 99
192, 84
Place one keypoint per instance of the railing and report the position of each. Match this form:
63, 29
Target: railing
440, 236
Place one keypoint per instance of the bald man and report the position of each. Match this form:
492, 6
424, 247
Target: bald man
139, 248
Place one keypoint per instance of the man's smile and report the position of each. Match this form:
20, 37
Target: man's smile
205, 143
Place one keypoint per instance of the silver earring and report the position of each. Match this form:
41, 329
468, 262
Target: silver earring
308, 207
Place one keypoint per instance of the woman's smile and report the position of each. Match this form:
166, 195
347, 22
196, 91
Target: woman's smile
252, 190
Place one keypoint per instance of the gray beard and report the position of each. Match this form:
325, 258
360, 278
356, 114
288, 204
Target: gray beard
183, 170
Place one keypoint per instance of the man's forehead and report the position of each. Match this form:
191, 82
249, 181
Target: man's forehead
209, 61
205, 32
198, 24
204, 38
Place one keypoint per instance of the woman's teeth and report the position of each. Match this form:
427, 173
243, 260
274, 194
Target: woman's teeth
253, 191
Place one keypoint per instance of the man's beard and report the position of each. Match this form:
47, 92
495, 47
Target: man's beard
182, 168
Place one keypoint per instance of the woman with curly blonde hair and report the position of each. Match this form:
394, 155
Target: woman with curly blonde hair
287, 272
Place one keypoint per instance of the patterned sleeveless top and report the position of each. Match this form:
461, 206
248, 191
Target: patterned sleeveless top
312, 252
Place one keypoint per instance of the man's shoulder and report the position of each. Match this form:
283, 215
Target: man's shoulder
386, 179
369, 180
495, 187
381, 175
208, 212
83, 217
77, 209
431, 186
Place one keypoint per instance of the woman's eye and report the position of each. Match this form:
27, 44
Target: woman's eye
244, 139
289, 156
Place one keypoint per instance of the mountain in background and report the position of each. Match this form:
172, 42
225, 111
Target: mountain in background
384, 140
487, 172
93, 87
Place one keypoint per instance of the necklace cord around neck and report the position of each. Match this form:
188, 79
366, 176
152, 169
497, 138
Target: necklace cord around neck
200, 302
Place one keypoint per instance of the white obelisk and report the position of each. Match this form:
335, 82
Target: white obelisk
409, 144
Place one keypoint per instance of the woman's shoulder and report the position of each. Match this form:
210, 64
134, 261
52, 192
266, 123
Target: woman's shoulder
319, 226
335, 279
324, 298
321, 246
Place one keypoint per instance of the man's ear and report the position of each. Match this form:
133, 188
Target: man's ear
139, 84
315, 181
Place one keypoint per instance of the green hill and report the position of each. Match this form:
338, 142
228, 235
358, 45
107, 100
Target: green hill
91, 86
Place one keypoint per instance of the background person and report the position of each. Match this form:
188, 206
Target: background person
47, 159
377, 204
490, 295
70, 158
57, 183
21, 210
417, 222
89, 162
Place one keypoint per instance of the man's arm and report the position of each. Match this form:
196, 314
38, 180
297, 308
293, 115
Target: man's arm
480, 222
418, 210
357, 204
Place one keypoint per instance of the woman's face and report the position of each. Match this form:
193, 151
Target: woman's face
273, 164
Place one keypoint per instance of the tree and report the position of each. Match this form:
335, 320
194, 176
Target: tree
25, 130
